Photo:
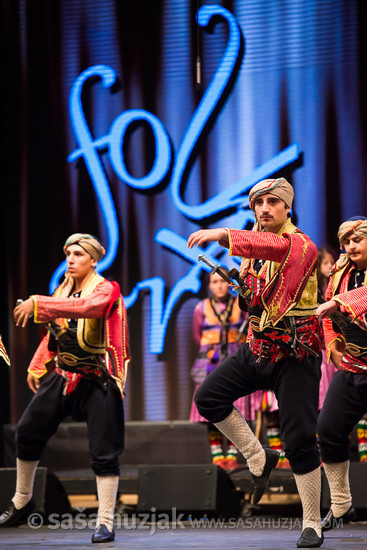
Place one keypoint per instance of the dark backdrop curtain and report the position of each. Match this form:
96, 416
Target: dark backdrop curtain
300, 81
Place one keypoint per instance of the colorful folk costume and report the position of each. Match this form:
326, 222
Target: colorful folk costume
3, 353
362, 438
269, 411
218, 329
327, 372
82, 359
4, 380
327, 368
283, 353
346, 400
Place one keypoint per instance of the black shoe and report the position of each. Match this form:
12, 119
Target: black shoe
102, 534
330, 521
310, 539
261, 482
12, 516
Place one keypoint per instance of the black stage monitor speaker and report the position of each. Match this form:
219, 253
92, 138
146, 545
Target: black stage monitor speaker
188, 489
7, 484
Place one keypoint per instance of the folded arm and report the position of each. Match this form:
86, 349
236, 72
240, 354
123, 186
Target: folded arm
334, 341
354, 301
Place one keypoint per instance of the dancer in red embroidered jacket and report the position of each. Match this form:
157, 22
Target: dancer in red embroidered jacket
283, 352
346, 399
79, 369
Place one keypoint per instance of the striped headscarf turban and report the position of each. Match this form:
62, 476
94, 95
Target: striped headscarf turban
89, 243
278, 187
357, 225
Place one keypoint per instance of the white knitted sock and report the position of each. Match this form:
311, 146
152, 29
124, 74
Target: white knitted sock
106, 490
309, 488
236, 429
26, 471
338, 477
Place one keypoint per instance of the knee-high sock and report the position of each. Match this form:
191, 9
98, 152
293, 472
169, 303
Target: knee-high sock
236, 429
309, 488
26, 471
107, 491
338, 477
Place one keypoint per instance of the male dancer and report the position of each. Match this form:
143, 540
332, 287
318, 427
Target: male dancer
346, 398
86, 345
283, 349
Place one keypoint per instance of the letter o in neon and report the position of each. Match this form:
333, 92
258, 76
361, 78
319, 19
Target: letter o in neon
163, 155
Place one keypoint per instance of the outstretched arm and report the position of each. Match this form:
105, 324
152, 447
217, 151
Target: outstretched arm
46, 308
250, 244
263, 245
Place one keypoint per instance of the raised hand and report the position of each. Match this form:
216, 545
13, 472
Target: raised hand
23, 311
208, 235
326, 308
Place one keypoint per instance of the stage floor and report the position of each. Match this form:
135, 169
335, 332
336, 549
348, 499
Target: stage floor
263, 533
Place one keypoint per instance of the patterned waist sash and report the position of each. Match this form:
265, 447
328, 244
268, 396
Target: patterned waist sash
72, 358
355, 354
276, 342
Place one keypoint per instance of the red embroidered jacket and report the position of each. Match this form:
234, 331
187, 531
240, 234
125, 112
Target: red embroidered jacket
354, 304
102, 328
285, 286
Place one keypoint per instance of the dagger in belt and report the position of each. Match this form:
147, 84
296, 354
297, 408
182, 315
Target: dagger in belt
245, 291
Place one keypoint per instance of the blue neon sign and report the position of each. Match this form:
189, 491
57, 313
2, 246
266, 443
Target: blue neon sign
235, 197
